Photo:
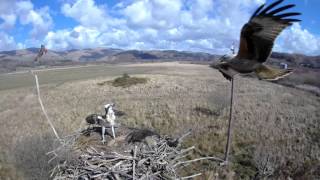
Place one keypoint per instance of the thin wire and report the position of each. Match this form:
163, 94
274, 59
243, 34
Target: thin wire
42, 107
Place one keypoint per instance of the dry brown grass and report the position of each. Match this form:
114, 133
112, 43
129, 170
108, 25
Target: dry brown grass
271, 120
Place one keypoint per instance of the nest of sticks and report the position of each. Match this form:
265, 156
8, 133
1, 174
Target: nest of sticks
149, 156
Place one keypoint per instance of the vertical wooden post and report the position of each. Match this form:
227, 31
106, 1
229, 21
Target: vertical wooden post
229, 136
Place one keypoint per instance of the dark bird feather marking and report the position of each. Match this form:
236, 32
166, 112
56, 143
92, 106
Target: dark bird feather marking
281, 9
270, 7
257, 11
287, 14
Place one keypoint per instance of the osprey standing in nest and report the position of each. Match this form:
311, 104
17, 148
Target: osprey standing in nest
256, 42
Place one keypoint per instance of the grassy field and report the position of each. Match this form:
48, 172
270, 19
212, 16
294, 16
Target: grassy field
62, 75
276, 128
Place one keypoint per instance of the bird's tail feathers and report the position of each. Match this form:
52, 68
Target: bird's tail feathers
272, 74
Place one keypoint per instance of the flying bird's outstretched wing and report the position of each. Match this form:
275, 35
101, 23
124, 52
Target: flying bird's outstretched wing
258, 35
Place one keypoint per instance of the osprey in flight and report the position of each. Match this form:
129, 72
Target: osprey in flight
256, 42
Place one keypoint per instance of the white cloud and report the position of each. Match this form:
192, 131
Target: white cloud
84, 37
201, 8
205, 23
86, 12
9, 21
202, 25
40, 19
153, 13
79, 37
7, 14
298, 40
7, 42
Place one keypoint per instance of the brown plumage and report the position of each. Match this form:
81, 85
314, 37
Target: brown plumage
41, 52
256, 43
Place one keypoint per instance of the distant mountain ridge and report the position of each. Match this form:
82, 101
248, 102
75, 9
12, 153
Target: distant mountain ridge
104, 54
22, 59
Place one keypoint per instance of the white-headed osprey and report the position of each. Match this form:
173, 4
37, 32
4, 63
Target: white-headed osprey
256, 42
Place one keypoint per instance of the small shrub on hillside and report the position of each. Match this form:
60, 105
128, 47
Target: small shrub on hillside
127, 81
124, 81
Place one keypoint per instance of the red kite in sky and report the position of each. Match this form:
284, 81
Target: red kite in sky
41, 52
256, 42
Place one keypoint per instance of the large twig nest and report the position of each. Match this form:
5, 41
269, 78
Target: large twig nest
134, 154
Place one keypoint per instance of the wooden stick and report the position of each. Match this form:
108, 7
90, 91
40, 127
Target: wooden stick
192, 176
134, 163
199, 159
226, 157
184, 135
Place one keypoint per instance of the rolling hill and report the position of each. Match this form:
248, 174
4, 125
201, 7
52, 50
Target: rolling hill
21, 59
307, 68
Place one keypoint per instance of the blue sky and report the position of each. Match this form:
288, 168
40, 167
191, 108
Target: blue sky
190, 25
